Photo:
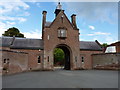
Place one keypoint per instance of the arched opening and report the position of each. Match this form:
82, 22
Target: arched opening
64, 63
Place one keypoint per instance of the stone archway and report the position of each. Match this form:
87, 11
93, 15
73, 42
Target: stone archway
67, 59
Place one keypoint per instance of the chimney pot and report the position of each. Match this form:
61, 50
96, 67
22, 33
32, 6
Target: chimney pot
44, 12
73, 18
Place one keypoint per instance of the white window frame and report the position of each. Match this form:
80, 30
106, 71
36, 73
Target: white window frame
62, 33
82, 59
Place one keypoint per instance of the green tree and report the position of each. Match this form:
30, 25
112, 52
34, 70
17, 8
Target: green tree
13, 32
104, 45
59, 56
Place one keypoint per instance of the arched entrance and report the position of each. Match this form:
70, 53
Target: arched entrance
67, 56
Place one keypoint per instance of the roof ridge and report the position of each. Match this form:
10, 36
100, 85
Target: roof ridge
87, 41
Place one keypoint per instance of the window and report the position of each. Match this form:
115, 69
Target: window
4, 61
62, 33
48, 58
76, 58
39, 59
111, 49
82, 59
48, 37
7, 60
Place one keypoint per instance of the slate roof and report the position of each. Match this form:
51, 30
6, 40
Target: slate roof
27, 43
21, 43
6, 41
13, 51
87, 45
47, 24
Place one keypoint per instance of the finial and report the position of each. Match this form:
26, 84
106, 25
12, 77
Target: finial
58, 1
59, 6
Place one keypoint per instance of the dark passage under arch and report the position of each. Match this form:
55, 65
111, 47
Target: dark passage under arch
67, 57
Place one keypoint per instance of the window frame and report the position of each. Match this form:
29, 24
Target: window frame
62, 33
82, 59
39, 59
5, 61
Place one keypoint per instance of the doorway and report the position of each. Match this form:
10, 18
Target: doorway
62, 57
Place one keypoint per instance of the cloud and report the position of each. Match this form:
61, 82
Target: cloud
110, 39
21, 19
38, 4
12, 13
98, 33
95, 11
68, 0
33, 34
91, 27
103, 37
7, 18
24, 14
7, 7
10, 23
3, 27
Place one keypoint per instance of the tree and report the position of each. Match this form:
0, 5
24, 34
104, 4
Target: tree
59, 56
13, 32
104, 45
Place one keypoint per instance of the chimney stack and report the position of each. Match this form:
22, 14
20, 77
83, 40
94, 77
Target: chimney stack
43, 22
73, 18
44, 19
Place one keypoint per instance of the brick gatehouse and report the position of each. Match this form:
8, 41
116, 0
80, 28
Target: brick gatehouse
22, 54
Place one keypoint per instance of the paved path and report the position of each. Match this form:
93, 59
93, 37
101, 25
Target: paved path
63, 79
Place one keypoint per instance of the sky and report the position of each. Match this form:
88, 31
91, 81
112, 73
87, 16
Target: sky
95, 20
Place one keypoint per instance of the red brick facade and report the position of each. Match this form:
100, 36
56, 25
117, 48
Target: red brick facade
14, 61
61, 33
33, 58
51, 41
87, 56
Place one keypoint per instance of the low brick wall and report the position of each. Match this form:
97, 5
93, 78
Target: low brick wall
33, 58
106, 61
14, 61
87, 58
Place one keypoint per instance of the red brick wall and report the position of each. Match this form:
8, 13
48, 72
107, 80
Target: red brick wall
118, 48
33, 58
72, 41
18, 62
87, 58
6, 48
106, 61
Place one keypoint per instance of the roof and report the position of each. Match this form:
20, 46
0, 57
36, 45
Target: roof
22, 43
27, 43
47, 24
13, 51
88, 45
6, 41
114, 44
